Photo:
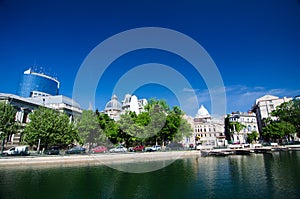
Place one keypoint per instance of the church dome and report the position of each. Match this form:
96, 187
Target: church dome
202, 112
113, 104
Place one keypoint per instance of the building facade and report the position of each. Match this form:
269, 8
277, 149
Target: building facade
208, 131
264, 106
249, 123
33, 84
114, 108
25, 106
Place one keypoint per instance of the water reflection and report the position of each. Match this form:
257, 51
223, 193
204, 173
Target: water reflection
257, 176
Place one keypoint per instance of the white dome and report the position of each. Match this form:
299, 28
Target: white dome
202, 112
113, 104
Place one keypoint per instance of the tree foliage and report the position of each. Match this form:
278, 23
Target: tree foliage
277, 130
51, 127
157, 124
252, 136
89, 129
8, 125
109, 127
289, 112
232, 127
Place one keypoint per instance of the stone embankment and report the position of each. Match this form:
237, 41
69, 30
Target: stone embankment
93, 159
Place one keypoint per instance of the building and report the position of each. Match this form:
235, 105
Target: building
248, 120
38, 90
25, 106
264, 106
208, 131
34, 84
114, 108
60, 103
132, 103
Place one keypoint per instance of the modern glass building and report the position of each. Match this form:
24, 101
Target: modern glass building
33, 84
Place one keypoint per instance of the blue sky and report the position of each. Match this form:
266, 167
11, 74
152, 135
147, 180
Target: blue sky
254, 44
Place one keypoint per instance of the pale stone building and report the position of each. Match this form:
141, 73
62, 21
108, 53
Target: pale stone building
114, 108
248, 120
264, 106
208, 131
25, 106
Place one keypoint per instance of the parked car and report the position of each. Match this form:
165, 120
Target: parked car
53, 150
19, 150
153, 148
118, 149
175, 146
137, 148
76, 150
99, 149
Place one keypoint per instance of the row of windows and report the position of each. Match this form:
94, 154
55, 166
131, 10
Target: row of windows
243, 119
209, 135
204, 130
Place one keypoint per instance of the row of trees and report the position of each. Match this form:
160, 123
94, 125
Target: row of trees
158, 124
287, 122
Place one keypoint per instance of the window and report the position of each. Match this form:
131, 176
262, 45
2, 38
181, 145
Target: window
249, 128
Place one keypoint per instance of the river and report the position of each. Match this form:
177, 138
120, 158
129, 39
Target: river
275, 175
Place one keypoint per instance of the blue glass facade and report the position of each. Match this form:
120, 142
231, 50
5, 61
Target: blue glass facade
34, 82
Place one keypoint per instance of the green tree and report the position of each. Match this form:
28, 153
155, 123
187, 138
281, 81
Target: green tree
277, 130
289, 112
176, 127
184, 130
109, 127
252, 136
8, 125
50, 127
158, 116
89, 129
162, 104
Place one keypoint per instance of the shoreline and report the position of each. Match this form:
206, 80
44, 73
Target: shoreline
93, 159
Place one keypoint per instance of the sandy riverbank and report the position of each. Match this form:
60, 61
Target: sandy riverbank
94, 159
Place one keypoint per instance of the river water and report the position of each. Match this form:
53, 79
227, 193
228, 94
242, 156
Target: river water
275, 175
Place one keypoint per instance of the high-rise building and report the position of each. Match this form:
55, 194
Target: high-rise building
33, 84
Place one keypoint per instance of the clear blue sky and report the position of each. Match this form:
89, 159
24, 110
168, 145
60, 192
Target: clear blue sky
254, 43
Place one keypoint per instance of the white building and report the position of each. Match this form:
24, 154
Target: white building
25, 106
132, 103
114, 108
207, 131
248, 120
264, 106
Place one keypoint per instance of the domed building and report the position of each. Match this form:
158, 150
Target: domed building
208, 132
202, 115
113, 108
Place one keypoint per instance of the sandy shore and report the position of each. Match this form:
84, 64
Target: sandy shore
94, 159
